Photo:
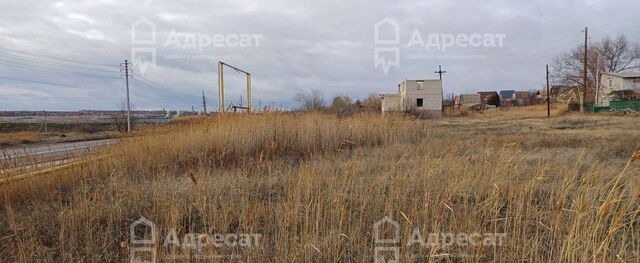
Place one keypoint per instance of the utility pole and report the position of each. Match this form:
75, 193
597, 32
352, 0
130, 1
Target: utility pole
204, 103
126, 81
248, 92
44, 122
440, 72
220, 87
548, 95
597, 77
583, 99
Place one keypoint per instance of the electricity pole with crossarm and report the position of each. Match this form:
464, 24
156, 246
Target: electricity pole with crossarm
126, 74
440, 72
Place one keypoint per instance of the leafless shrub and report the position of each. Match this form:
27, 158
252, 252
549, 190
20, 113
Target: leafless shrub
310, 100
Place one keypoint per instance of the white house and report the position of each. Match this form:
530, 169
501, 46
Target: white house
418, 95
615, 86
470, 99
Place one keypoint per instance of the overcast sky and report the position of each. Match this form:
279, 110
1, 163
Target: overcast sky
294, 45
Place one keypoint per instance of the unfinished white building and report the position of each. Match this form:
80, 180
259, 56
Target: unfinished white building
418, 95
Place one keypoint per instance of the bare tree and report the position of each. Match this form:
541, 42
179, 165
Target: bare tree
310, 100
342, 105
119, 119
372, 102
619, 55
608, 55
409, 106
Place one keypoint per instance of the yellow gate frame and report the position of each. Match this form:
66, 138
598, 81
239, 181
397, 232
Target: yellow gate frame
221, 86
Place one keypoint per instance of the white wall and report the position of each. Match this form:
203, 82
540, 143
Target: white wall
409, 91
470, 99
390, 102
430, 91
631, 84
608, 83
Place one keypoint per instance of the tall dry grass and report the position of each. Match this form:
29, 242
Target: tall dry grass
313, 185
18, 138
232, 140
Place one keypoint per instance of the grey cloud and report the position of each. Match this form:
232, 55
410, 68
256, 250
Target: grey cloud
326, 45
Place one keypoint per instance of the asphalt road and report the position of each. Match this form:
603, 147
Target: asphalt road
34, 154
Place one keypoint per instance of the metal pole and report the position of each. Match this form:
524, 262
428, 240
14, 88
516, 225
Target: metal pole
548, 95
583, 99
220, 87
440, 72
126, 80
204, 103
597, 77
46, 130
248, 92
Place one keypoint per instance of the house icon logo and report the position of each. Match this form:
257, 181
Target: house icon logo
144, 58
386, 57
143, 44
387, 247
380, 27
386, 53
143, 238
143, 32
378, 236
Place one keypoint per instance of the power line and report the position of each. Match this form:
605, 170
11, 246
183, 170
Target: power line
544, 45
161, 90
624, 20
55, 63
549, 48
608, 33
161, 84
40, 82
44, 69
55, 59
58, 68
25, 61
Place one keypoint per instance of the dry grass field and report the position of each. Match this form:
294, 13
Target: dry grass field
19, 138
25, 138
561, 189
